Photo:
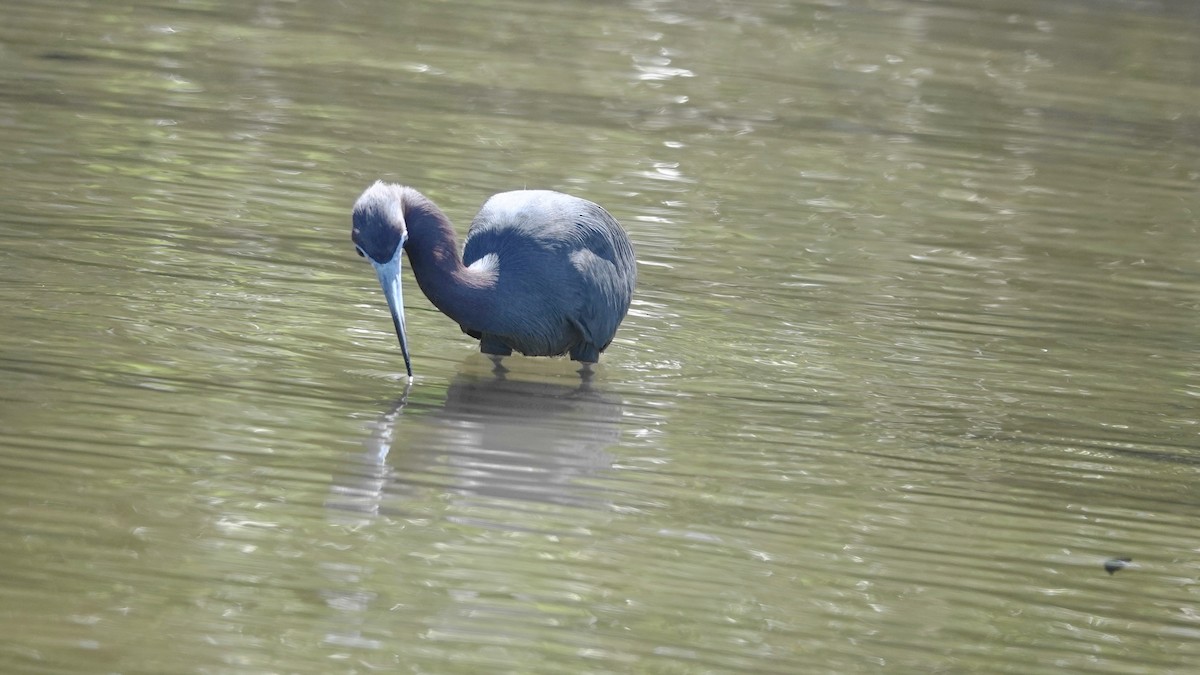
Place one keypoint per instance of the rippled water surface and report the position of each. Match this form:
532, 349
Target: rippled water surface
913, 354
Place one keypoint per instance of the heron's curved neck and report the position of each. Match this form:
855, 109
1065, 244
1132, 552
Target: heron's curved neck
458, 291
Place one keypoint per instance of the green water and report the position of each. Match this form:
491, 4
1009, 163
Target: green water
913, 353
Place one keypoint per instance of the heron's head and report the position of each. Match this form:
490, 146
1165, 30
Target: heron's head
378, 229
378, 232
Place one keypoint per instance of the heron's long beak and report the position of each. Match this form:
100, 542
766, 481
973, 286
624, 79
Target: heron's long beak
389, 279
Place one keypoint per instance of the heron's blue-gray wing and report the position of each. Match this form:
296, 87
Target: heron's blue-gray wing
606, 262
555, 237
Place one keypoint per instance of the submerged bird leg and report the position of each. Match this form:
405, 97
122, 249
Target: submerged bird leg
585, 372
497, 366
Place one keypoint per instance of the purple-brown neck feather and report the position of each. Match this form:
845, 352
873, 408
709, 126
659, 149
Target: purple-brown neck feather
433, 253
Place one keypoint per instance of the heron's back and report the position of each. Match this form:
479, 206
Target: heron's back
565, 268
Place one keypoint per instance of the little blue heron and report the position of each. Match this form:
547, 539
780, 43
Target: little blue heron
541, 272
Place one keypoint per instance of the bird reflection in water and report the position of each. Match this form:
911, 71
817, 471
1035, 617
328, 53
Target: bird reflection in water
493, 439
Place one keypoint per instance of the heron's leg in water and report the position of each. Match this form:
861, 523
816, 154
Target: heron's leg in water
587, 353
488, 344
498, 368
495, 350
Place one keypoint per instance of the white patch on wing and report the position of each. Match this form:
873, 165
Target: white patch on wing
487, 267
508, 206
523, 208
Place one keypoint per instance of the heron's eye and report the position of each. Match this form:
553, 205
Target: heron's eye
359, 251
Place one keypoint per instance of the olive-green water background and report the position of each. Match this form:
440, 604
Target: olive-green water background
915, 347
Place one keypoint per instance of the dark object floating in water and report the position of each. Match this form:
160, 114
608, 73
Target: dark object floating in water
1114, 565
64, 56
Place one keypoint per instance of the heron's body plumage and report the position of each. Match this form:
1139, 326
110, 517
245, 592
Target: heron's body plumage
542, 273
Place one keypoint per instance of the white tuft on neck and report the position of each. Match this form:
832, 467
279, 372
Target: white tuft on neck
487, 268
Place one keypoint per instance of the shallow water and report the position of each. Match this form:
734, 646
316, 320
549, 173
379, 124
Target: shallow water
913, 352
